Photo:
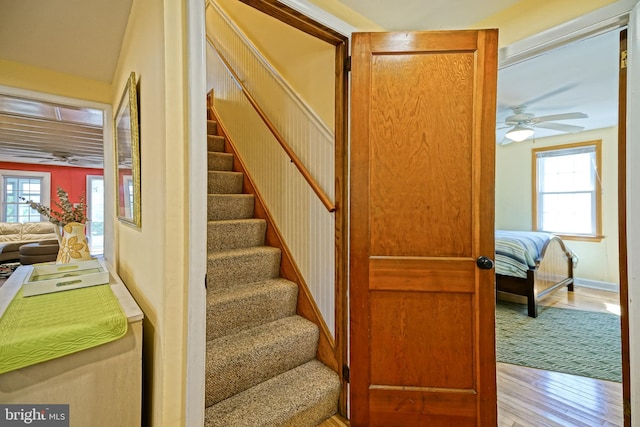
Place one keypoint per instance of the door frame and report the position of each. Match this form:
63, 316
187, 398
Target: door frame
329, 30
108, 167
611, 17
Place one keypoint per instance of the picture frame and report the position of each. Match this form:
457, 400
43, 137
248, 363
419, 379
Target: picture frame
127, 151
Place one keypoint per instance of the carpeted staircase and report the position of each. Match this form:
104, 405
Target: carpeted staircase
260, 364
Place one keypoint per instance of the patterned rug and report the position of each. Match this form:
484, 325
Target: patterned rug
575, 342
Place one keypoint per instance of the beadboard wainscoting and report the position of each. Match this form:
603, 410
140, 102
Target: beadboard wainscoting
306, 225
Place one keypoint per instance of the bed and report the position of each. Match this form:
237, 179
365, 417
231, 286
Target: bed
533, 265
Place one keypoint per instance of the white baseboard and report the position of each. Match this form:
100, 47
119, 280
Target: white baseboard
596, 284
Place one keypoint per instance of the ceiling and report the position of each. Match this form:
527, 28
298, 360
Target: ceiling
77, 37
579, 77
421, 14
43, 132
83, 38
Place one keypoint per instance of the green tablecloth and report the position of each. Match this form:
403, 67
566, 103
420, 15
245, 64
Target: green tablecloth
44, 327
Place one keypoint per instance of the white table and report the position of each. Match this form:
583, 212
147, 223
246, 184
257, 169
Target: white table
102, 385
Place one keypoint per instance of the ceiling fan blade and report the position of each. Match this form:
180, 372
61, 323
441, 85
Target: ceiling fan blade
564, 116
551, 94
505, 141
34, 156
560, 126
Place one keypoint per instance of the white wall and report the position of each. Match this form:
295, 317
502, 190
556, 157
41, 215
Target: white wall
598, 260
153, 260
305, 62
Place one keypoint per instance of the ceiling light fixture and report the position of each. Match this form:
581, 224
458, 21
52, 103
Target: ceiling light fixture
519, 133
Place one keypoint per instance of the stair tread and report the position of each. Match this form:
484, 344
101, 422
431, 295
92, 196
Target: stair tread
229, 268
244, 288
231, 310
303, 396
237, 221
236, 233
215, 143
243, 252
231, 345
239, 361
219, 161
232, 196
230, 206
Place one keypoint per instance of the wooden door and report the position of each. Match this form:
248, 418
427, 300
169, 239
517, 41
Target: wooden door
422, 212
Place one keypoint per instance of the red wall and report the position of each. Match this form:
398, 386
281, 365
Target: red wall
73, 180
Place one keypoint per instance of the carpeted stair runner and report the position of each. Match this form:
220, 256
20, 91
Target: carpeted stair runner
260, 363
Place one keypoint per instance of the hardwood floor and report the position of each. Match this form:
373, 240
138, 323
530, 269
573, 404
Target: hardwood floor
530, 397
335, 421
534, 398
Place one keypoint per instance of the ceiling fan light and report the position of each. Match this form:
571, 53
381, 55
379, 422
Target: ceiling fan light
519, 133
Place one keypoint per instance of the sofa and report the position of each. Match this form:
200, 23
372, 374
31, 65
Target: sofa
13, 235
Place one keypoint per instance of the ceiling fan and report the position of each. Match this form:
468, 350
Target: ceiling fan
62, 157
522, 124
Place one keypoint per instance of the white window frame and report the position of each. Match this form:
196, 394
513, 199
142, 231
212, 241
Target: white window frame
596, 205
45, 196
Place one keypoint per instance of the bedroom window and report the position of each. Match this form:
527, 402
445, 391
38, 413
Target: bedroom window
567, 187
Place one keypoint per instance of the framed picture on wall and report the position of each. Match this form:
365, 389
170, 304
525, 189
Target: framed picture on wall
127, 150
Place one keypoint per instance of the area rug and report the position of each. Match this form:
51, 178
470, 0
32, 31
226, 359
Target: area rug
576, 342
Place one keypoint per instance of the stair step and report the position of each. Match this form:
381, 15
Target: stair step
302, 397
238, 266
212, 127
219, 161
222, 182
233, 310
229, 206
240, 361
235, 234
215, 143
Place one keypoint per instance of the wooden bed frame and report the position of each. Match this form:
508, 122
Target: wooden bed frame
554, 270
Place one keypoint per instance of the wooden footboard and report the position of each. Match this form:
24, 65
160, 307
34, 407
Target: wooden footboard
554, 270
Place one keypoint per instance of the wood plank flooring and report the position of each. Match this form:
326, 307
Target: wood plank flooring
534, 398
531, 397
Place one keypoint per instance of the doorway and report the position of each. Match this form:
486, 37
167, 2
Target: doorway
597, 273
38, 134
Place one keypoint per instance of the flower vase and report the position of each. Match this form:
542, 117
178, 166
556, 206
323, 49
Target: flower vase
58, 230
73, 246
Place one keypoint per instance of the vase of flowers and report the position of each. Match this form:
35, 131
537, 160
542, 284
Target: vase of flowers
69, 221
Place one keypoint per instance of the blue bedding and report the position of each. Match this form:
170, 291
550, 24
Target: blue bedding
518, 251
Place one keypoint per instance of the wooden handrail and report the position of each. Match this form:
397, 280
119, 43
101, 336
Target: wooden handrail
292, 155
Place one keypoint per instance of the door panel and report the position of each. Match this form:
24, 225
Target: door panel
422, 203
399, 140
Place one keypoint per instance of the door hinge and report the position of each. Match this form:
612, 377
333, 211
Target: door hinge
345, 373
623, 59
347, 64
205, 281
626, 408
